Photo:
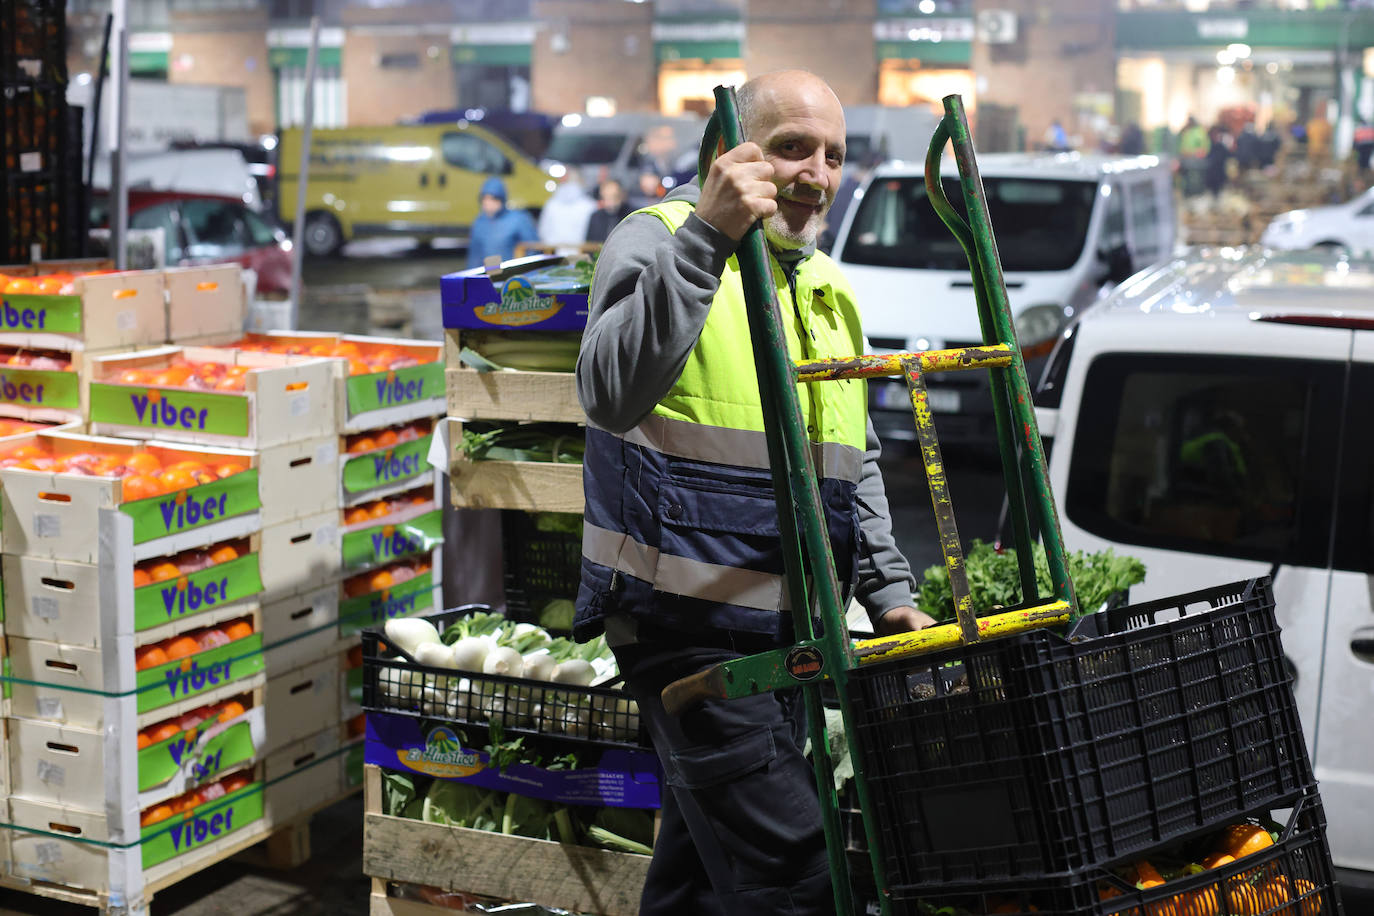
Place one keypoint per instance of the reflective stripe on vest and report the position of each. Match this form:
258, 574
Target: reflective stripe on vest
683, 576
740, 447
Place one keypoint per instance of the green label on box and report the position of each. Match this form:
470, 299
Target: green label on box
173, 513
380, 390
35, 314
201, 758
40, 387
386, 466
170, 408
202, 825
353, 683
184, 596
386, 543
199, 673
405, 600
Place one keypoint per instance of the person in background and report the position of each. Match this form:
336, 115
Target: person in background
1214, 175
1249, 149
1364, 144
1270, 143
650, 191
1193, 146
612, 210
1056, 138
1132, 140
566, 215
1319, 135
497, 230
681, 571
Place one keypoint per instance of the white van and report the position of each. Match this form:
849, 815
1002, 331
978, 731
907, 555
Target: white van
1068, 226
623, 146
1212, 417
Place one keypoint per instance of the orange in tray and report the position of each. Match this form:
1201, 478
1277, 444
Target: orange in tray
164, 572
238, 629
143, 463
155, 815
150, 657
231, 710
224, 554
181, 647
141, 486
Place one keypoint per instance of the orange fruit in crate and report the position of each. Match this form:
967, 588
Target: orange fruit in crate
141, 578
149, 657
162, 731
134, 377
143, 463
176, 480
229, 469
48, 286
20, 286
1242, 839
235, 371
181, 647
319, 349
345, 349
1310, 905
379, 509
190, 466
140, 486
232, 383
379, 580
224, 554
164, 572
144, 740
231, 710
208, 371
238, 630
356, 516
387, 438
155, 815
172, 376
364, 444
235, 782
355, 657
27, 451
359, 367
184, 803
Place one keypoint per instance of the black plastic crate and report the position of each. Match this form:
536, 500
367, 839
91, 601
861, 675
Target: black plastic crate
33, 42
540, 565
1294, 877
31, 214
396, 684
1037, 754
33, 130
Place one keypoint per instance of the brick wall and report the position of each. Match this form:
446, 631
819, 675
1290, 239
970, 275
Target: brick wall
593, 47
380, 95
832, 38
1063, 48
226, 50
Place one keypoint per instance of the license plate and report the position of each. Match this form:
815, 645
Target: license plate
895, 397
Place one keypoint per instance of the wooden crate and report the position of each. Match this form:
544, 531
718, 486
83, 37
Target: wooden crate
204, 302
511, 868
510, 395
529, 486
103, 312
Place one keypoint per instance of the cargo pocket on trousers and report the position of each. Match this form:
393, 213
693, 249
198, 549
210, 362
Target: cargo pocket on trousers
757, 793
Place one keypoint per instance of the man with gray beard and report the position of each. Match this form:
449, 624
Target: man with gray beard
681, 557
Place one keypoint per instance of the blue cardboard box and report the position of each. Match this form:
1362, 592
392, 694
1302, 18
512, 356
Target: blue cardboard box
619, 779
537, 293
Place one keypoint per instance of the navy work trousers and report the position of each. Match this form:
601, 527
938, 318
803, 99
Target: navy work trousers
741, 830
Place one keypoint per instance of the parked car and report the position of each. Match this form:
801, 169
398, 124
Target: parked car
1211, 417
414, 180
260, 159
1068, 227
207, 229
1349, 225
624, 146
218, 171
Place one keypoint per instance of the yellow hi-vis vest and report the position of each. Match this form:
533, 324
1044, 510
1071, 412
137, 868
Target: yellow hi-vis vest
681, 524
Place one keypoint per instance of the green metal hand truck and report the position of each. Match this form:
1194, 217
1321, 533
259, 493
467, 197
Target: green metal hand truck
809, 565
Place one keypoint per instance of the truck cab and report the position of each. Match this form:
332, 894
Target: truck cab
1211, 417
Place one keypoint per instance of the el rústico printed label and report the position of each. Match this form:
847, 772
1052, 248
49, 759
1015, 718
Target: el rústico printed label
395, 388
386, 466
40, 387
185, 596
36, 314
388, 542
375, 609
201, 758
202, 825
170, 409
199, 673
173, 513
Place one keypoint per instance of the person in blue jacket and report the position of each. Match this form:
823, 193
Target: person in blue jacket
497, 230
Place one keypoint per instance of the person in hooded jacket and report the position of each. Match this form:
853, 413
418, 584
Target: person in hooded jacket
497, 229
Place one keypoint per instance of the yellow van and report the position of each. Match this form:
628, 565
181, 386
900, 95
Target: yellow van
420, 180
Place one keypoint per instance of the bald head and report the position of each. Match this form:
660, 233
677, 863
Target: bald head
785, 89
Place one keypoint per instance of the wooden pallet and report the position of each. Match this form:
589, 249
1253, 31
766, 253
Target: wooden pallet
283, 847
477, 862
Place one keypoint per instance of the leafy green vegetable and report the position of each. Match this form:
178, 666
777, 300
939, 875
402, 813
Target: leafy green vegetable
398, 790
525, 816
461, 805
994, 579
633, 824
558, 614
546, 442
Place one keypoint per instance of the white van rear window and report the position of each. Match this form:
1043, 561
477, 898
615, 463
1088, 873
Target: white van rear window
1040, 224
1227, 456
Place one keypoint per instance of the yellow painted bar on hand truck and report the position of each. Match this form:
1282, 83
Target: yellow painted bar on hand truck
878, 365
947, 636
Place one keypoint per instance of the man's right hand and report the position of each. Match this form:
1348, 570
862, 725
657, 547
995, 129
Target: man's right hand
738, 191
